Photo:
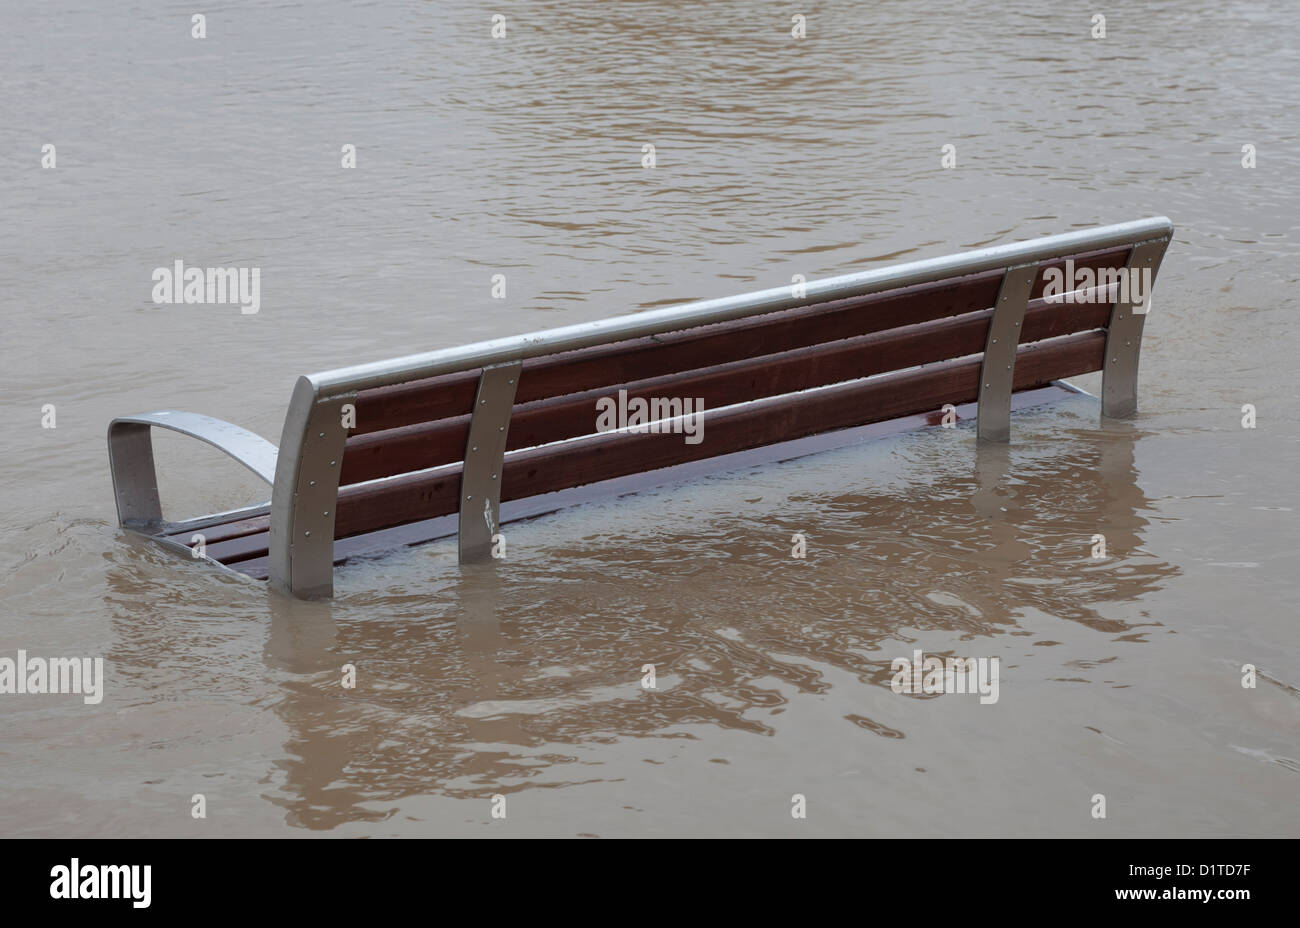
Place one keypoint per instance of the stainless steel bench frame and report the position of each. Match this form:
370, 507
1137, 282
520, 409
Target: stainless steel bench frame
304, 471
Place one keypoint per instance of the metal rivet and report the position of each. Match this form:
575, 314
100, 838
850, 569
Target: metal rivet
469, 497
307, 534
322, 434
494, 476
311, 483
986, 386
474, 448
995, 341
511, 380
332, 463
325, 513
482, 402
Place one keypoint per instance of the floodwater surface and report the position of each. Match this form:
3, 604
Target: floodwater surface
522, 156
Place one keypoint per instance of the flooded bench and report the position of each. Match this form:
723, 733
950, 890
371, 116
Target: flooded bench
458, 441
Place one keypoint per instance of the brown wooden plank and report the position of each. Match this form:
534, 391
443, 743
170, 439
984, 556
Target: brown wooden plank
540, 470
224, 531
399, 451
602, 457
703, 346
417, 401
241, 548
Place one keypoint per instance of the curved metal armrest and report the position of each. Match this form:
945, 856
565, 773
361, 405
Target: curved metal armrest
130, 458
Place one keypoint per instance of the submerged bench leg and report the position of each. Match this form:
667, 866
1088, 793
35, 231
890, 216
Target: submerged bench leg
485, 450
999, 367
1124, 334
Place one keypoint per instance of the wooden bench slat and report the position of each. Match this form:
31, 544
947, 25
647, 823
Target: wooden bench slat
241, 548
223, 531
400, 451
449, 395
601, 457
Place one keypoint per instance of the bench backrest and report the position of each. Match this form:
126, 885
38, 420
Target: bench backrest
459, 431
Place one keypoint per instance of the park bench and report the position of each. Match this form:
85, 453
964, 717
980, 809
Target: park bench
460, 440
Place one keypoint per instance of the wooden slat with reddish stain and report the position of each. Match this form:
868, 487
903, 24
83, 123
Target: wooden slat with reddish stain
240, 548
605, 456
584, 369
400, 451
223, 531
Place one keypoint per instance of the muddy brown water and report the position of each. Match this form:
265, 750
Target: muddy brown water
775, 156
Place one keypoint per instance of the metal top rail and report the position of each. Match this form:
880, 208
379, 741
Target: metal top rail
703, 312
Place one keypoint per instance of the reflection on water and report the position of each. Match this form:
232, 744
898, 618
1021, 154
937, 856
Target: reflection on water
515, 664
775, 157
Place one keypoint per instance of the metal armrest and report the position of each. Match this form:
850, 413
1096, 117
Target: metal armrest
130, 458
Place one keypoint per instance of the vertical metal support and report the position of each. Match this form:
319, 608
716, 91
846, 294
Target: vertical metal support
1124, 333
485, 451
135, 482
306, 491
999, 367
